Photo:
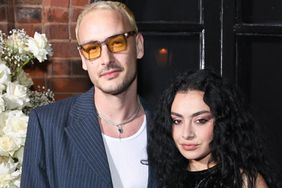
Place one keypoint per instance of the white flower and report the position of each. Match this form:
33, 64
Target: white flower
16, 96
17, 49
4, 73
39, 46
17, 40
2, 88
1, 41
7, 146
2, 104
16, 126
24, 79
19, 155
9, 176
3, 118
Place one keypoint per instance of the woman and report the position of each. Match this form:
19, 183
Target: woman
203, 136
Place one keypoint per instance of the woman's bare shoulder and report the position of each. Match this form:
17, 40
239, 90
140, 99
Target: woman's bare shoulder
260, 182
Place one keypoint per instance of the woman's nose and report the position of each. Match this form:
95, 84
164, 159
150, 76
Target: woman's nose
188, 131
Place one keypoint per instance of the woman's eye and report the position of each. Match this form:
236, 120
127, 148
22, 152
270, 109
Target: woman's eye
201, 121
176, 121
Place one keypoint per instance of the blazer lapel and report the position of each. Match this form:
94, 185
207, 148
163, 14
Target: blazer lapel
85, 133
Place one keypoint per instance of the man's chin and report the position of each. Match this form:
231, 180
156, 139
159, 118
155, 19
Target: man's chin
113, 90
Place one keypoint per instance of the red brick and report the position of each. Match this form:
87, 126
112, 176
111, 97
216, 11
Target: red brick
80, 2
60, 68
4, 27
56, 3
10, 14
73, 84
75, 13
37, 70
58, 15
65, 49
57, 31
29, 2
72, 31
30, 29
10, 26
38, 82
3, 13
28, 15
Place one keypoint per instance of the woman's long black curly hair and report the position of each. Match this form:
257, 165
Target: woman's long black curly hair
236, 145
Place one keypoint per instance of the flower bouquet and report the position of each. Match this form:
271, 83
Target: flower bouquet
17, 49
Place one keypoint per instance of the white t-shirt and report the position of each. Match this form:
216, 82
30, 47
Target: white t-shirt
125, 156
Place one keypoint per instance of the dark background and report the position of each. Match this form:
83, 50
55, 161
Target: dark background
240, 39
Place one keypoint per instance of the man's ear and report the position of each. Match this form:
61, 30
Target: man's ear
83, 60
139, 45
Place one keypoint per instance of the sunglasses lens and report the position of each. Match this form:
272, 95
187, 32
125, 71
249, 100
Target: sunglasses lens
91, 50
117, 43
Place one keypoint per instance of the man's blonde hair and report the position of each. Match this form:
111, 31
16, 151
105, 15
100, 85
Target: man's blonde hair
113, 5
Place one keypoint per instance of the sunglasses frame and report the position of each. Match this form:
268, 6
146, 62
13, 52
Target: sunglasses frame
126, 35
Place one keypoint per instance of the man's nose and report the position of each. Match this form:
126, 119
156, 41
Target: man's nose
106, 55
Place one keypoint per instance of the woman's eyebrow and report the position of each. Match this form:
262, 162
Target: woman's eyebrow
193, 115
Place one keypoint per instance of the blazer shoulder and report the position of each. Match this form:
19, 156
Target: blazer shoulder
65, 110
58, 106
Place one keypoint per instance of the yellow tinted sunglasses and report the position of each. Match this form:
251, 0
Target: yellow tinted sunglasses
117, 43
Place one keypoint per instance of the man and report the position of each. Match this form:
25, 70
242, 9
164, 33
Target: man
97, 139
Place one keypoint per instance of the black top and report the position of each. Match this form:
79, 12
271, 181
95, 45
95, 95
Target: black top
209, 178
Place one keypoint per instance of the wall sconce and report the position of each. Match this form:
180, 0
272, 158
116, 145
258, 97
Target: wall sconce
162, 56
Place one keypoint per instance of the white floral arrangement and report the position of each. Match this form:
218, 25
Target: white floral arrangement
17, 98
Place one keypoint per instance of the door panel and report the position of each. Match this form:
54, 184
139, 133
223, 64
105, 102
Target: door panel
165, 57
166, 10
260, 77
263, 12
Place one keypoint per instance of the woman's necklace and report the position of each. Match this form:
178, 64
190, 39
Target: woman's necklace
121, 124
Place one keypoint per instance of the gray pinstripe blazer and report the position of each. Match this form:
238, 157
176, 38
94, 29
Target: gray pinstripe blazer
64, 147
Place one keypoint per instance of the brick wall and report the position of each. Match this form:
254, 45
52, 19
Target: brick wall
56, 18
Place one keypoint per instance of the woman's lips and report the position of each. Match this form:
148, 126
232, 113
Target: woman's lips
189, 147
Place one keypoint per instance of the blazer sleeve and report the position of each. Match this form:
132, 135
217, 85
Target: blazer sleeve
34, 174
